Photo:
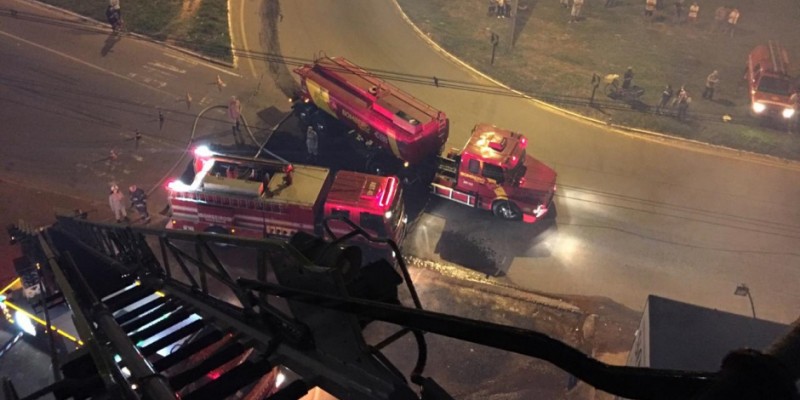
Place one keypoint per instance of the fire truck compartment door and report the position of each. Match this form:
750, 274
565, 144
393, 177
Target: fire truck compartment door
222, 216
319, 96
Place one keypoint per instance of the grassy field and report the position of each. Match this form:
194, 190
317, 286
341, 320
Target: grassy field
554, 60
201, 26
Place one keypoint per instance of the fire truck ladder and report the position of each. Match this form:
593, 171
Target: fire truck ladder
225, 337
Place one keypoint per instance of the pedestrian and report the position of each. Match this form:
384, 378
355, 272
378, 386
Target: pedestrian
492, 11
139, 202
678, 11
733, 19
564, 3
113, 15
576, 10
312, 143
683, 108
694, 9
711, 83
719, 18
627, 78
501, 8
681, 96
666, 96
649, 7
117, 203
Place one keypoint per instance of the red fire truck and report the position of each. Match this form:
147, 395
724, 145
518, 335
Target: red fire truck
771, 87
262, 198
492, 171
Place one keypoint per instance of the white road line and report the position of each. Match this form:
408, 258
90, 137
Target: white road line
167, 67
192, 61
244, 41
79, 61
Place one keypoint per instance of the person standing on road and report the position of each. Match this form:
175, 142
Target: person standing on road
139, 202
711, 83
117, 203
694, 9
666, 96
733, 19
627, 78
312, 143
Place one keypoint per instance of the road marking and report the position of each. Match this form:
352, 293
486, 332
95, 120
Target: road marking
244, 42
79, 61
167, 67
195, 62
157, 71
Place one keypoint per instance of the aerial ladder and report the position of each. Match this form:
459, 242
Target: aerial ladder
162, 317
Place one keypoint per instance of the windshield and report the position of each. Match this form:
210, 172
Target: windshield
518, 171
769, 84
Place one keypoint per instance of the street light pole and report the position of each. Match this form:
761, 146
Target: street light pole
743, 290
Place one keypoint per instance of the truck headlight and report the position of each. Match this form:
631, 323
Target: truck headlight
788, 113
758, 108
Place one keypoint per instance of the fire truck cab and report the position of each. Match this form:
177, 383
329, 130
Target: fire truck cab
769, 83
263, 198
493, 172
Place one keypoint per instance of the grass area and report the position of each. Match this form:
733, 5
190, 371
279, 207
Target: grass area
201, 25
554, 60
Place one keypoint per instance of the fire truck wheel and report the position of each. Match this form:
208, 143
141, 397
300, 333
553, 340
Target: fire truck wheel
506, 210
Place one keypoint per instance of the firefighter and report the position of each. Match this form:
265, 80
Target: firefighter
139, 202
312, 143
287, 177
115, 201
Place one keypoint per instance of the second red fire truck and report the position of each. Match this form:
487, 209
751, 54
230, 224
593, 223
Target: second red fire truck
263, 198
492, 172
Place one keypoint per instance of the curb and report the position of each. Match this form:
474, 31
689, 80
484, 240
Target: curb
97, 23
464, 276
760, 158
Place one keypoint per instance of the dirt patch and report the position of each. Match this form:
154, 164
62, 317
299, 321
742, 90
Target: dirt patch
181, 25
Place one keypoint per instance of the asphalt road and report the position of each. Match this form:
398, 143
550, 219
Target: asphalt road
636, 214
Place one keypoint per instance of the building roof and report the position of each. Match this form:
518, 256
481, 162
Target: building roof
689, 337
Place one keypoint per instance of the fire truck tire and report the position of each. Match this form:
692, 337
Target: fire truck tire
506, 210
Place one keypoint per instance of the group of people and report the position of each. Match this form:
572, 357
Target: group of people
681, 100
138, 201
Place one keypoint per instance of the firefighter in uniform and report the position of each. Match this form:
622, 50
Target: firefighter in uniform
139, 202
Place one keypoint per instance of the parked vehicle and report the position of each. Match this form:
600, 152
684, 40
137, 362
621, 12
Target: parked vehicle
769, 83
492, 172
262, 198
